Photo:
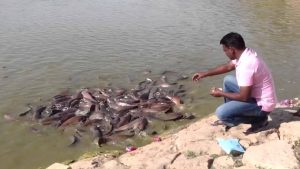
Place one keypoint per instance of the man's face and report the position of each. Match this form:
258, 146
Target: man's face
229, 51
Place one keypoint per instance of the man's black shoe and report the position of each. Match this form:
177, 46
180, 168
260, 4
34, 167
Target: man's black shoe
255, 128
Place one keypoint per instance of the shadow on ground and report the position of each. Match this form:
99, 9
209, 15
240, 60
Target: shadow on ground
282, 115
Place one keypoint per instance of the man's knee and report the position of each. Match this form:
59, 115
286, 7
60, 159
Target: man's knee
229, 79
221, 112
230, 84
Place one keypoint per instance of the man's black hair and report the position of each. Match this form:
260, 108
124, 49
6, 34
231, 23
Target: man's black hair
233, 39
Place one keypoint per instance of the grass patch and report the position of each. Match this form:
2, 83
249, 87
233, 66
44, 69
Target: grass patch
97, 153
190, 154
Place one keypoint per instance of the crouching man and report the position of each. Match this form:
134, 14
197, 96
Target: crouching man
250, 95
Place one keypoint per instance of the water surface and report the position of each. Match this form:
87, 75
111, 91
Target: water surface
47, 46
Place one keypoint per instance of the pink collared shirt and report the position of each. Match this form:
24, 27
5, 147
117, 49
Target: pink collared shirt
252, 71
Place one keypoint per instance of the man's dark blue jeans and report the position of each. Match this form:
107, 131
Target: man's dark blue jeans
233, 113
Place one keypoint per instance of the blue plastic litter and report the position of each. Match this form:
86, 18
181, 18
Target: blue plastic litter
231, 146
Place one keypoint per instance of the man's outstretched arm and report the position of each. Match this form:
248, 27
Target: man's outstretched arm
215, 71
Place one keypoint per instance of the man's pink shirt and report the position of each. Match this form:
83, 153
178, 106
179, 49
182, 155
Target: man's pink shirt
252, 71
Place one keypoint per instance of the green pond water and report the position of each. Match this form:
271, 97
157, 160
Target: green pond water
49, 46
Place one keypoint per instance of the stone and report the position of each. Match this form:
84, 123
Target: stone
276, 154
188, 163
58, 166
245, 167
223, 162
290, 131
245, 143
204, 147
113, 164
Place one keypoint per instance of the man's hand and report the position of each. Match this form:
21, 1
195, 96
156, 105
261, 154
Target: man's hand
216, 92
198, 76
227, 67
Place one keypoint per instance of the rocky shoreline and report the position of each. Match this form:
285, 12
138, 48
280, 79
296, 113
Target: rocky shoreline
196, 146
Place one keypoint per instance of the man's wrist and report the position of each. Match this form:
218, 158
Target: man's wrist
205, 74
